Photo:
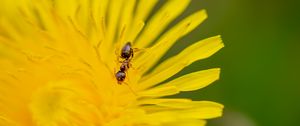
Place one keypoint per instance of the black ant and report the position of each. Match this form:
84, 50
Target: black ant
127, 55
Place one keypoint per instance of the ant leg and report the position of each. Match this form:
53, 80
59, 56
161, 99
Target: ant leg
131, 66
114, 74
139, 50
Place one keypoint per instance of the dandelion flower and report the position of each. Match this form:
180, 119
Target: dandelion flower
58, 61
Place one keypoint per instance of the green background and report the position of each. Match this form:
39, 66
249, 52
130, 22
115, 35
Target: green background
259, 83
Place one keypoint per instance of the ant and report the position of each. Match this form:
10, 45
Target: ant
127, 55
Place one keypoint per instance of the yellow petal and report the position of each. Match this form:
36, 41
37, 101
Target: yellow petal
7, 30
136, 29
65, 7
160, 21
171, 66
195, 81
99, 8
7, 122
144, 8
8, 7
201, 110
162, 100
159, 92
125, 25
187, 122
144, 63
113, 16
207, 112
188, 104
113, 19
142, 11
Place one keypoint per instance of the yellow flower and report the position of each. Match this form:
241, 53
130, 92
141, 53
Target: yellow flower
58, 60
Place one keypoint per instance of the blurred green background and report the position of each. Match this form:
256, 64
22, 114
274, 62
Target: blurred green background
259, 83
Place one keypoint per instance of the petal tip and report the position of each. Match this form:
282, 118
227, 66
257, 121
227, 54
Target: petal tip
202, 13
